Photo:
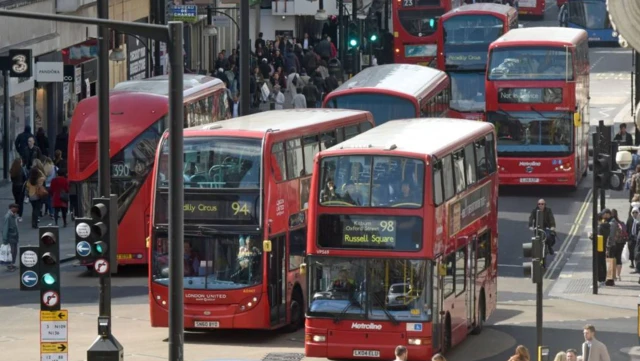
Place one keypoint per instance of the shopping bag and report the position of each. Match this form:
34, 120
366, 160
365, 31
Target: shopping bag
611, 269
625, 253
5, 254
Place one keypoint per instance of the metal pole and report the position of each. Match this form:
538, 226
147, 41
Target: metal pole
245, 55
539, 290
601, 129
636, 94
356, 50
5, 125
341, 33
176, 192
211, 52
594, 220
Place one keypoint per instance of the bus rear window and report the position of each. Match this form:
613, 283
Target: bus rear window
531, 63
399, 233
383, 107
372, 181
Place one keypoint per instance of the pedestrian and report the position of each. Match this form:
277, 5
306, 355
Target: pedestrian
633, 230
18, 178
592, 349
634, 188
548, 223
36, 191
438, 357
278, 98
522, 354
62, 141
604, 230
572, 354
31, 153
60, 196
299, 101
311, 95
561, 356
22, 141
42, 142
621, 238
623, 137
401, 353
59, 161
50, 172
10, 234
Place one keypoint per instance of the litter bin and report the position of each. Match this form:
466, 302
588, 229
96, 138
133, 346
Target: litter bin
335, 69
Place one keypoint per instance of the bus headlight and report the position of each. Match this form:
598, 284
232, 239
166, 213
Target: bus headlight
314, 338
249, 303
417, 341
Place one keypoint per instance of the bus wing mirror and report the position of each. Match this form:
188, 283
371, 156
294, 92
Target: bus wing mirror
442, 270
303, 269
577, 120
266, 245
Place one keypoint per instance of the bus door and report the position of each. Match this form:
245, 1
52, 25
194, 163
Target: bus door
470, 298
277, 280
436, 304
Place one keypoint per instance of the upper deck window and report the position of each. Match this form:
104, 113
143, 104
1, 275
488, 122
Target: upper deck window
472, 30
372, 181
419, 22
383, 107
531, 63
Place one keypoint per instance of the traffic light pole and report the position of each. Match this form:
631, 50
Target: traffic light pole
594, 221
539, 284
601, 129
342, 31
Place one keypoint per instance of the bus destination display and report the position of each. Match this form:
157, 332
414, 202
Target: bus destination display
376, 234
530, 95
204, 209
466, 59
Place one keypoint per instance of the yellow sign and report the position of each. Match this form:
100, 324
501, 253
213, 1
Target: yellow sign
125, 256
54, 347
62, 315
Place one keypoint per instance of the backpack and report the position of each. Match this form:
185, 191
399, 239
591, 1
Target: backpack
621, 236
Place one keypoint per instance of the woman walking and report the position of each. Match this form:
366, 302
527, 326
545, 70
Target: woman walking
522, 354
36, 192
50, 171
18, 179
60, 196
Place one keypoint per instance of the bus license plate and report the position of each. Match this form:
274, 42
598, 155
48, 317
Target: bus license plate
366, 353
207, 324
529, 180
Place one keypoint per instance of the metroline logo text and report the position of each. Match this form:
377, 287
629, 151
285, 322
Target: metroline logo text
366, 326
530, 164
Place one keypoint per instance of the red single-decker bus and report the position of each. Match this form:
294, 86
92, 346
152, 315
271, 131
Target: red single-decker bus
532, 7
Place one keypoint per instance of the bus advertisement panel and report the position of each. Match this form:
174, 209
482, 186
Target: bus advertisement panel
466, 33
538, 99
415, 27
532, 7
138, 117
592, 16
246, 196
402, 240
394, 91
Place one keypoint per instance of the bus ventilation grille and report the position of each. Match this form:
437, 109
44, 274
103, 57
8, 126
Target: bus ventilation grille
283, 356
86, 154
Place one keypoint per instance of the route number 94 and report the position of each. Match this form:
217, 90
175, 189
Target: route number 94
240, 208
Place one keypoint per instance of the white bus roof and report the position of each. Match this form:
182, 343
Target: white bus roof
159, 85
410, 79
544, 34
282, 120
421, 135
482, 7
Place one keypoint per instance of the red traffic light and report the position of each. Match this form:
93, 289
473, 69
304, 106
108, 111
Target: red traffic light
48, 238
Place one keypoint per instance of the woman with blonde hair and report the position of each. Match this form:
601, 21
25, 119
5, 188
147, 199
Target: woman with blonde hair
522, 354
37, 163
50, 172
561, 356
18, 178
36, 192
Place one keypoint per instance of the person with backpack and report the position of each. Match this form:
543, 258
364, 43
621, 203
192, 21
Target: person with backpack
618, 236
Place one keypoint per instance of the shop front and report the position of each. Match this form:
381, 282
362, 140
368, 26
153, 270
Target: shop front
49, 105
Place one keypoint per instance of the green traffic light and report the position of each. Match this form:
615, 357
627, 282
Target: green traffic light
48, 279
100, 247
432, 22
374, 37
353, 42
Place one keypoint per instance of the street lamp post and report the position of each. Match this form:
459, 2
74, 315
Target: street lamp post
106, 345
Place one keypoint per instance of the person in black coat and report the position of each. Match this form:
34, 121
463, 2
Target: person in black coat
31, 153
62, 141
42, 142
22, 140
633, 229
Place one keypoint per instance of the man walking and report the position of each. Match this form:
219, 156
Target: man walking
592, 349
10, 234
401, 353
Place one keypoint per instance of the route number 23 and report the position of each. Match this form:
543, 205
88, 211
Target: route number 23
406, 3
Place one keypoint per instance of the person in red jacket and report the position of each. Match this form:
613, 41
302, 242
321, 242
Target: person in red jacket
60, 195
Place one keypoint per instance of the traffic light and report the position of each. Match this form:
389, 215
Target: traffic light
49, 270
533, 250
354, 35
602, 170
104, 228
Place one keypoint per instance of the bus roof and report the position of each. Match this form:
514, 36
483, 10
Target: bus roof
408, 79
480, 8
159, 85
422, 135
280, 120
546, 35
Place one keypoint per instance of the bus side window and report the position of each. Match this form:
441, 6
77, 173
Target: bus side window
328, 140
470, 164
297, 247
449, 278
461, 270
424, 110
491, 155
311, 147
350, 132
295, 161
278, 164
438, 193
484, 252
458, 170
364, 126
340, 135
447, 166
481, 159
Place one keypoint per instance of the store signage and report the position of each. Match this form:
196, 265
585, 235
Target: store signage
20, 63
186, 13
77, 80
50, 72
136, 58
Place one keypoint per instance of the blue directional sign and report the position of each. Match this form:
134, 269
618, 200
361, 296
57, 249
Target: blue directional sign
83, 248
185, 13
29, 279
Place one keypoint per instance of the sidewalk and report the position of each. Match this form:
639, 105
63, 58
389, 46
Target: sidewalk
575, 280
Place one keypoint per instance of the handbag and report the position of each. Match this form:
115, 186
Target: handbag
42, 192
64, 196
5, 254
611, 271
625, 253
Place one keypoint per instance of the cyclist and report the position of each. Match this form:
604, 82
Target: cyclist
548, 223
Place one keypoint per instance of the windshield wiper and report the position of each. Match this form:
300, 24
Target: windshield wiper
507, 113
384, 309
205, 229
346, 308
540, 114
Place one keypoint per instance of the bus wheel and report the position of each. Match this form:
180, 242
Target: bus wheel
481, 308
447, 335
297, 317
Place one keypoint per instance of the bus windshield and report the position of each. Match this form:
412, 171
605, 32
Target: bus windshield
370, 289
212, 263
216, 162
383, 107
530, 63
467, 92
371, 181
467, 39
590, 15
422, 22
533, 132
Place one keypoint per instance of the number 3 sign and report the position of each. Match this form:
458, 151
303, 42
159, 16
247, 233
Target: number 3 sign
20, 63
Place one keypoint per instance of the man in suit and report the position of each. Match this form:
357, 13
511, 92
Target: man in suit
592, 349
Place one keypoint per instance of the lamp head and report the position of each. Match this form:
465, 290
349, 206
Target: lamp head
117, 55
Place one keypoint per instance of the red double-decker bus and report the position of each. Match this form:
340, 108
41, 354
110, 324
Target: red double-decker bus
415, 27
403, 240
246, 180
532, 7
465, 35
394, 91
139, 111
538, 98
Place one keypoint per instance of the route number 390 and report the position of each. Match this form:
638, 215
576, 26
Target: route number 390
240, 208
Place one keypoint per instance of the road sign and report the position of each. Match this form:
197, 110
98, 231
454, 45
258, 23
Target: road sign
54, 347
83, 230
54, 357
29, 279
101, 266
186, 13
29, 258
83, 248
53, 331
221, 21
50, 298
62, 315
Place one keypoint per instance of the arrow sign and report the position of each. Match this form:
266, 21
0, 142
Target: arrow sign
62, 347
29, 279
83, 248
62, 316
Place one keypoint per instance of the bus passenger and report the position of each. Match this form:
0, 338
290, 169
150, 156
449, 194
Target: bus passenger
191, 261
351, 194
329, 191
406, 194
343, 283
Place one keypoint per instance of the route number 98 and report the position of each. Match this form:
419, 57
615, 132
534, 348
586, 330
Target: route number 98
388, 226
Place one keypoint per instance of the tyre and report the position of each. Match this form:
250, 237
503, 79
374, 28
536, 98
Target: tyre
446, 343
297, 316
481, 318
